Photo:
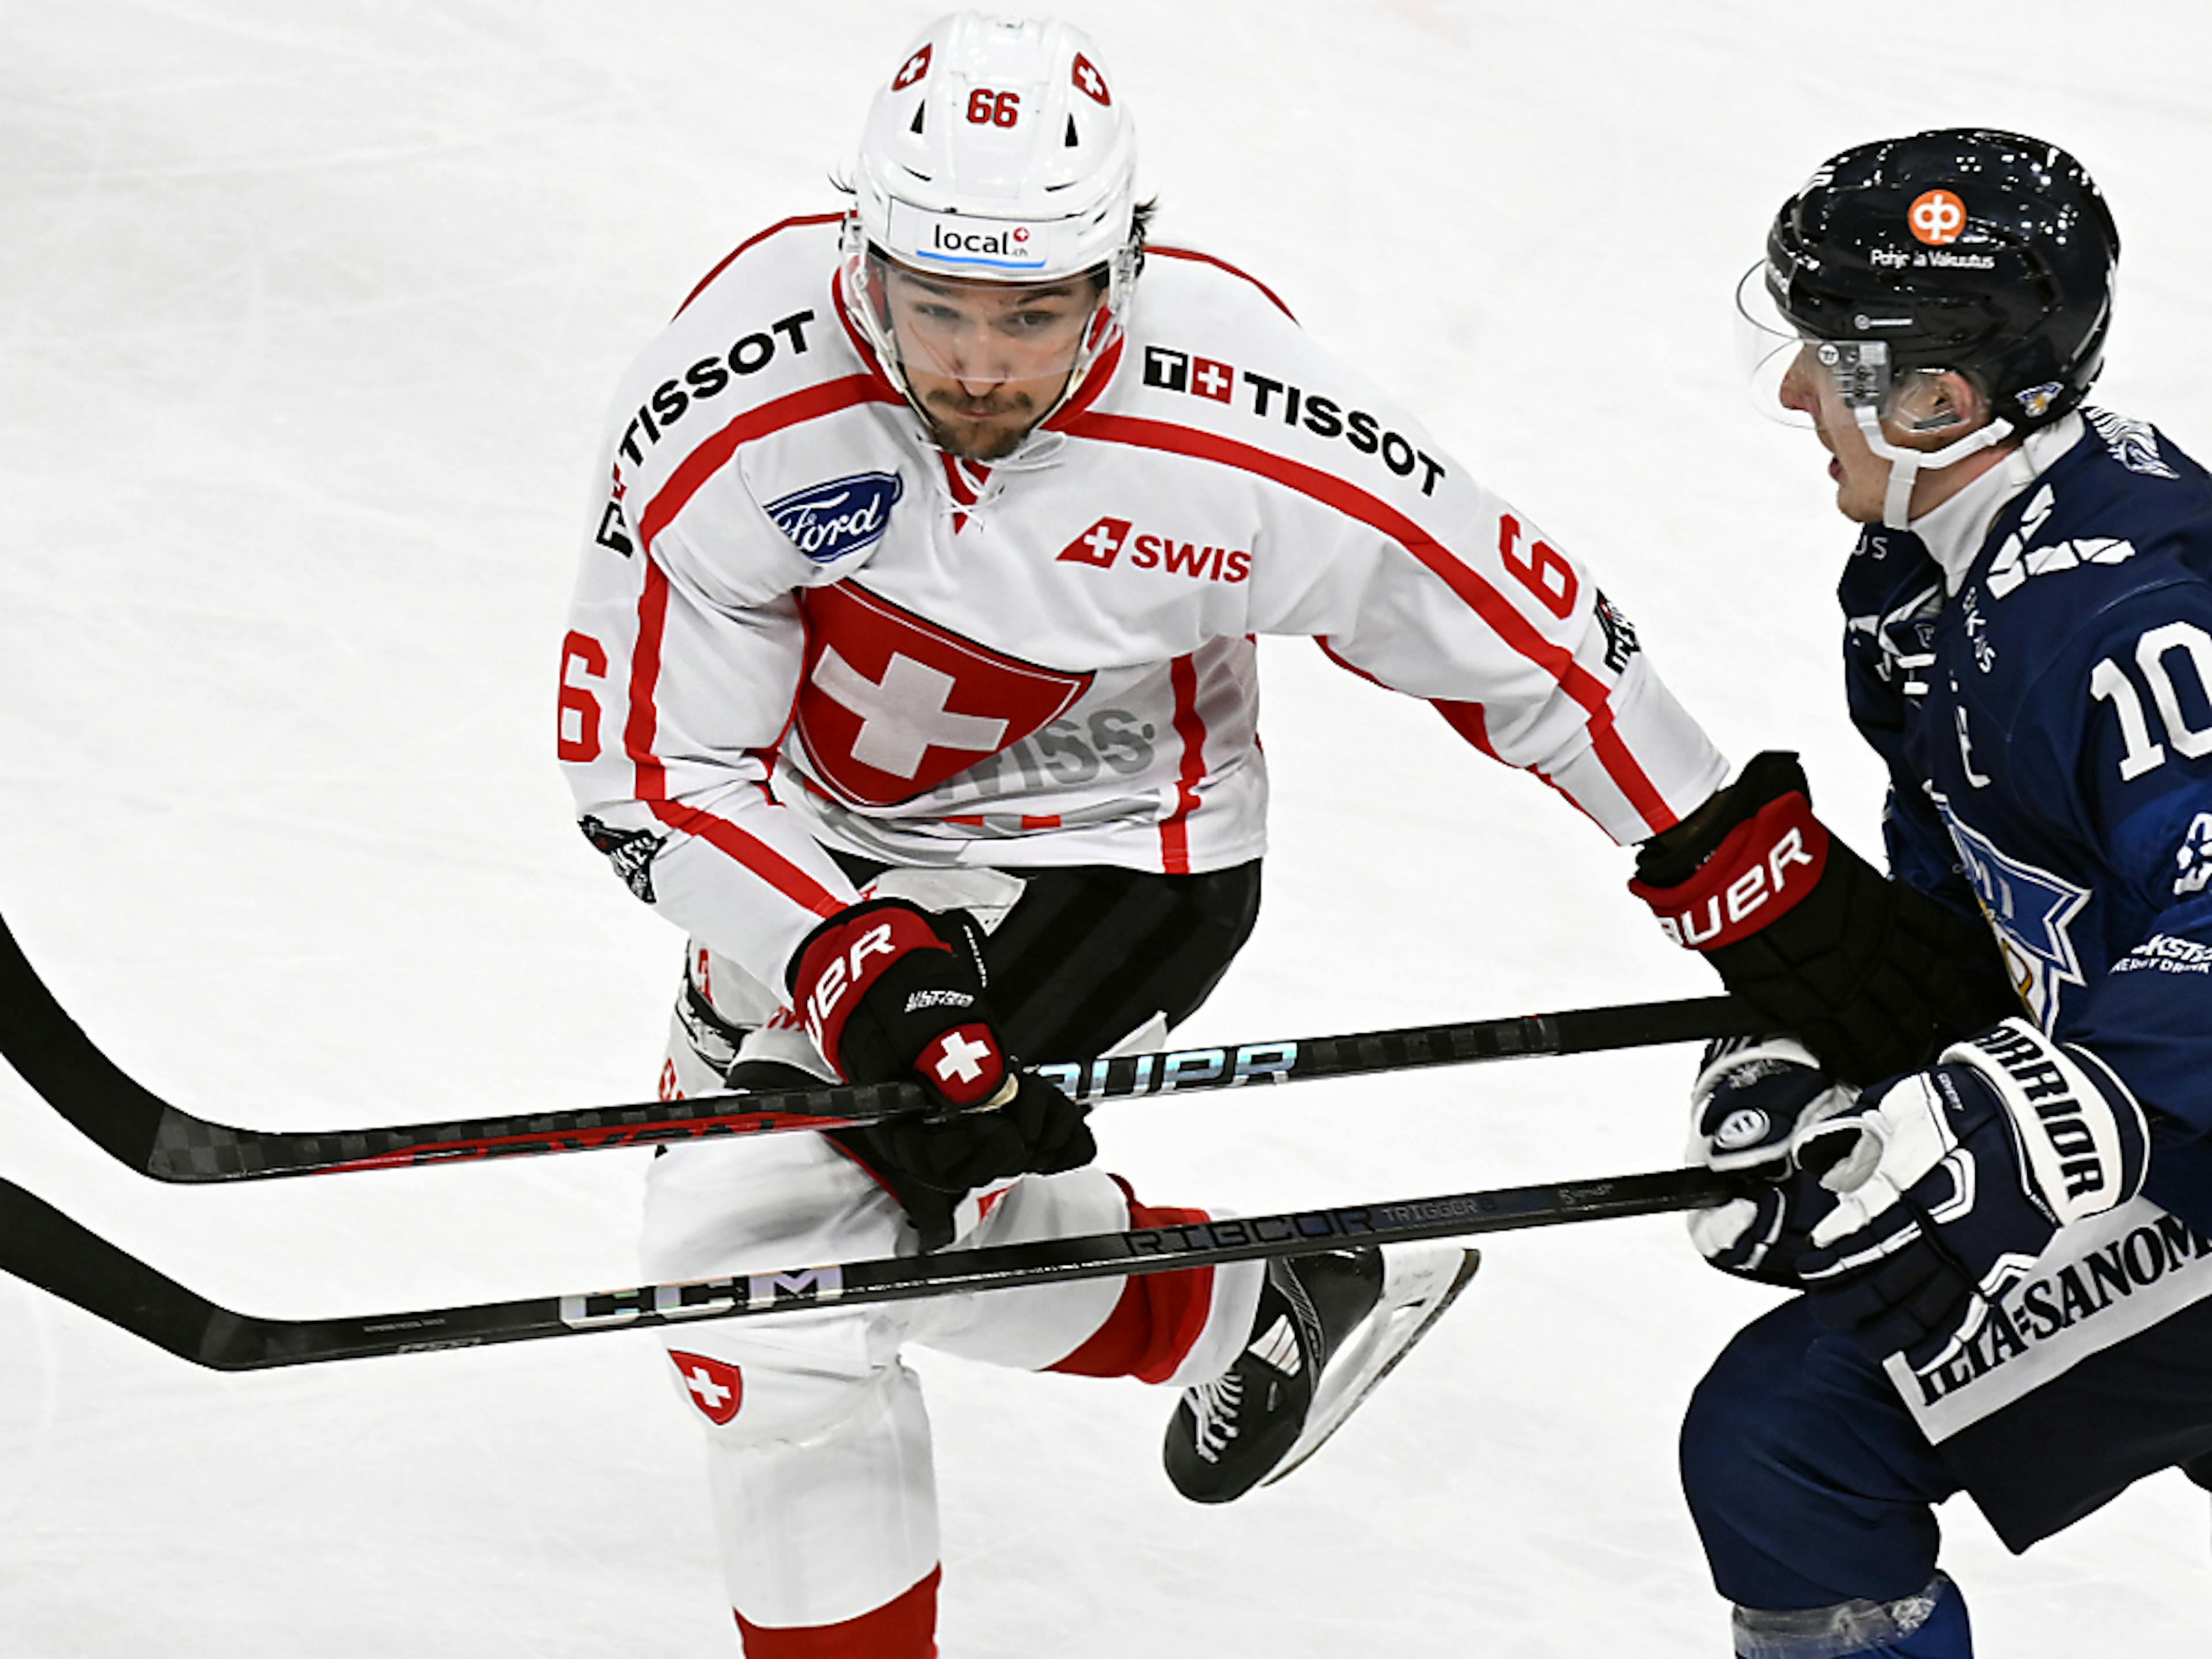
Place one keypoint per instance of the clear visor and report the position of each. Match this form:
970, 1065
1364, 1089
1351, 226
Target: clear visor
974, 350
1767, 347
1859, 373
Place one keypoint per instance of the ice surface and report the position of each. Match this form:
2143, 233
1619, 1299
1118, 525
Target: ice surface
309, 314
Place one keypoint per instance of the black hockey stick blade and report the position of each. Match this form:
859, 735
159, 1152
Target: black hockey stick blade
154, 1138
41, 1246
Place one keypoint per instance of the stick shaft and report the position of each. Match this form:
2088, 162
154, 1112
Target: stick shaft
159, 1139
43, 1247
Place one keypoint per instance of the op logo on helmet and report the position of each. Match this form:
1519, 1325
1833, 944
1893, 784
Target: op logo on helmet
1936, 218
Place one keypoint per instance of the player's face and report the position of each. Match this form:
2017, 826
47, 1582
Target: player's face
1862, 477
986, 360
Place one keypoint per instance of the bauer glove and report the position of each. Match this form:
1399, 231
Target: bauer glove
1870, 974
1753, 1096
1938, 1191
891, 992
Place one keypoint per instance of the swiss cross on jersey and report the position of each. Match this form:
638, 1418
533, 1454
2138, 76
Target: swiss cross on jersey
716, 1389
891, 705
1098, 545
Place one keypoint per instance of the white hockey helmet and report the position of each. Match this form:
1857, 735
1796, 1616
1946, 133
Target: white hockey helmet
997, 151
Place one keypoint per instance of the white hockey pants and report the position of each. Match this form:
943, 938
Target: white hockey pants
818, 1445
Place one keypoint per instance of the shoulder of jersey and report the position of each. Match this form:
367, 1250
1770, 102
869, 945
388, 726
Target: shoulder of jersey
795, 254
763, 317
2114, 537
758, 340
1212, 347
2123, 511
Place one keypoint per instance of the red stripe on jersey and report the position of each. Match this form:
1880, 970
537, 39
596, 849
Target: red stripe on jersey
809, 403
753, 241
904, 1627
639, 728
644, 718
1620, 766
1196, 257
1175, 830
1467, 719
1485, 601
956, 481
1348, 667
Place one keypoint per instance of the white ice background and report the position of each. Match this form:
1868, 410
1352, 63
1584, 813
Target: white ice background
309, 312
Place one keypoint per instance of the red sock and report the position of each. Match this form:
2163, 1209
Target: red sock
1157, 1319
904, 1627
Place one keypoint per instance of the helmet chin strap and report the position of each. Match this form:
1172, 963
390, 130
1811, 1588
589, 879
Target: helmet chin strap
1905, 465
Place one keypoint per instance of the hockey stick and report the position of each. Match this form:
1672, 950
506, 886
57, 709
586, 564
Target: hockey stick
41, 1246
149, 1134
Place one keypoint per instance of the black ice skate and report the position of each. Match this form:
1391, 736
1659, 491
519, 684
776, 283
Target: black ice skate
1329, 1328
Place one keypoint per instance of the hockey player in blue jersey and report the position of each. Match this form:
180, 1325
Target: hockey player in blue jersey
2001, 1214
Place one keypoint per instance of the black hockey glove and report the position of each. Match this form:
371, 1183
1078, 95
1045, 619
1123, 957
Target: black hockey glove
1936, 1192
1870, 974
891, 992
1753, 1096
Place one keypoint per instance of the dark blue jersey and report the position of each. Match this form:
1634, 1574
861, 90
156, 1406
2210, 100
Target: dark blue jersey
2048, 731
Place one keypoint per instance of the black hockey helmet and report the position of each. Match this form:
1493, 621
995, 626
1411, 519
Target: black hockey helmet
1989, 253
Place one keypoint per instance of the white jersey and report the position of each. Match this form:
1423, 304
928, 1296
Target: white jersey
801, 623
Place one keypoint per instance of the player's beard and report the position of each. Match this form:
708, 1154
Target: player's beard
980, 429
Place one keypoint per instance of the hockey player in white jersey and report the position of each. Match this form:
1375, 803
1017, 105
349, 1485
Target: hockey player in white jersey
914, 651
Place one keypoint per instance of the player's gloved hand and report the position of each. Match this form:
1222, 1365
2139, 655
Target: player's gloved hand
893, 992
1752, 1095
1943, 1186
1872, 975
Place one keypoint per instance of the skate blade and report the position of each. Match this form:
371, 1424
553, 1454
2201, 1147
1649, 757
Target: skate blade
1388, 1341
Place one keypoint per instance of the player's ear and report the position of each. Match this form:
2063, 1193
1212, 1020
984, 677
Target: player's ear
1939, 401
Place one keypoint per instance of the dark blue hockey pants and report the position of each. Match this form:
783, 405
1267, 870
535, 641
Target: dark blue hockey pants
1809, 1480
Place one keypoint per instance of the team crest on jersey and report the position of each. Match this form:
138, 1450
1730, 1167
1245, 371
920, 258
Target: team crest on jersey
891, 705
631, 851
717, 1388
826, 521
1621, 641
2031, 909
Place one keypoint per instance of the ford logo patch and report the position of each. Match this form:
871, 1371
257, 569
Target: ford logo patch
826, 521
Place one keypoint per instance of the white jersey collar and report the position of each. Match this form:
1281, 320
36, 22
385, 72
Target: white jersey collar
1954, 533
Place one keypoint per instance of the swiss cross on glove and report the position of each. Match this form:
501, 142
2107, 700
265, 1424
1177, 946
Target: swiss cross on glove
891, 993
882, 994
1937, 1191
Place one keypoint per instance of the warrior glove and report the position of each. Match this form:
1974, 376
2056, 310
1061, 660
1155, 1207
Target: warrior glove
891, 992
1871, 976
1753, 1098
1938, 1191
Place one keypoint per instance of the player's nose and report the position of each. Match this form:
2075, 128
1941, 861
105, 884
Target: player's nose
1797, 391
